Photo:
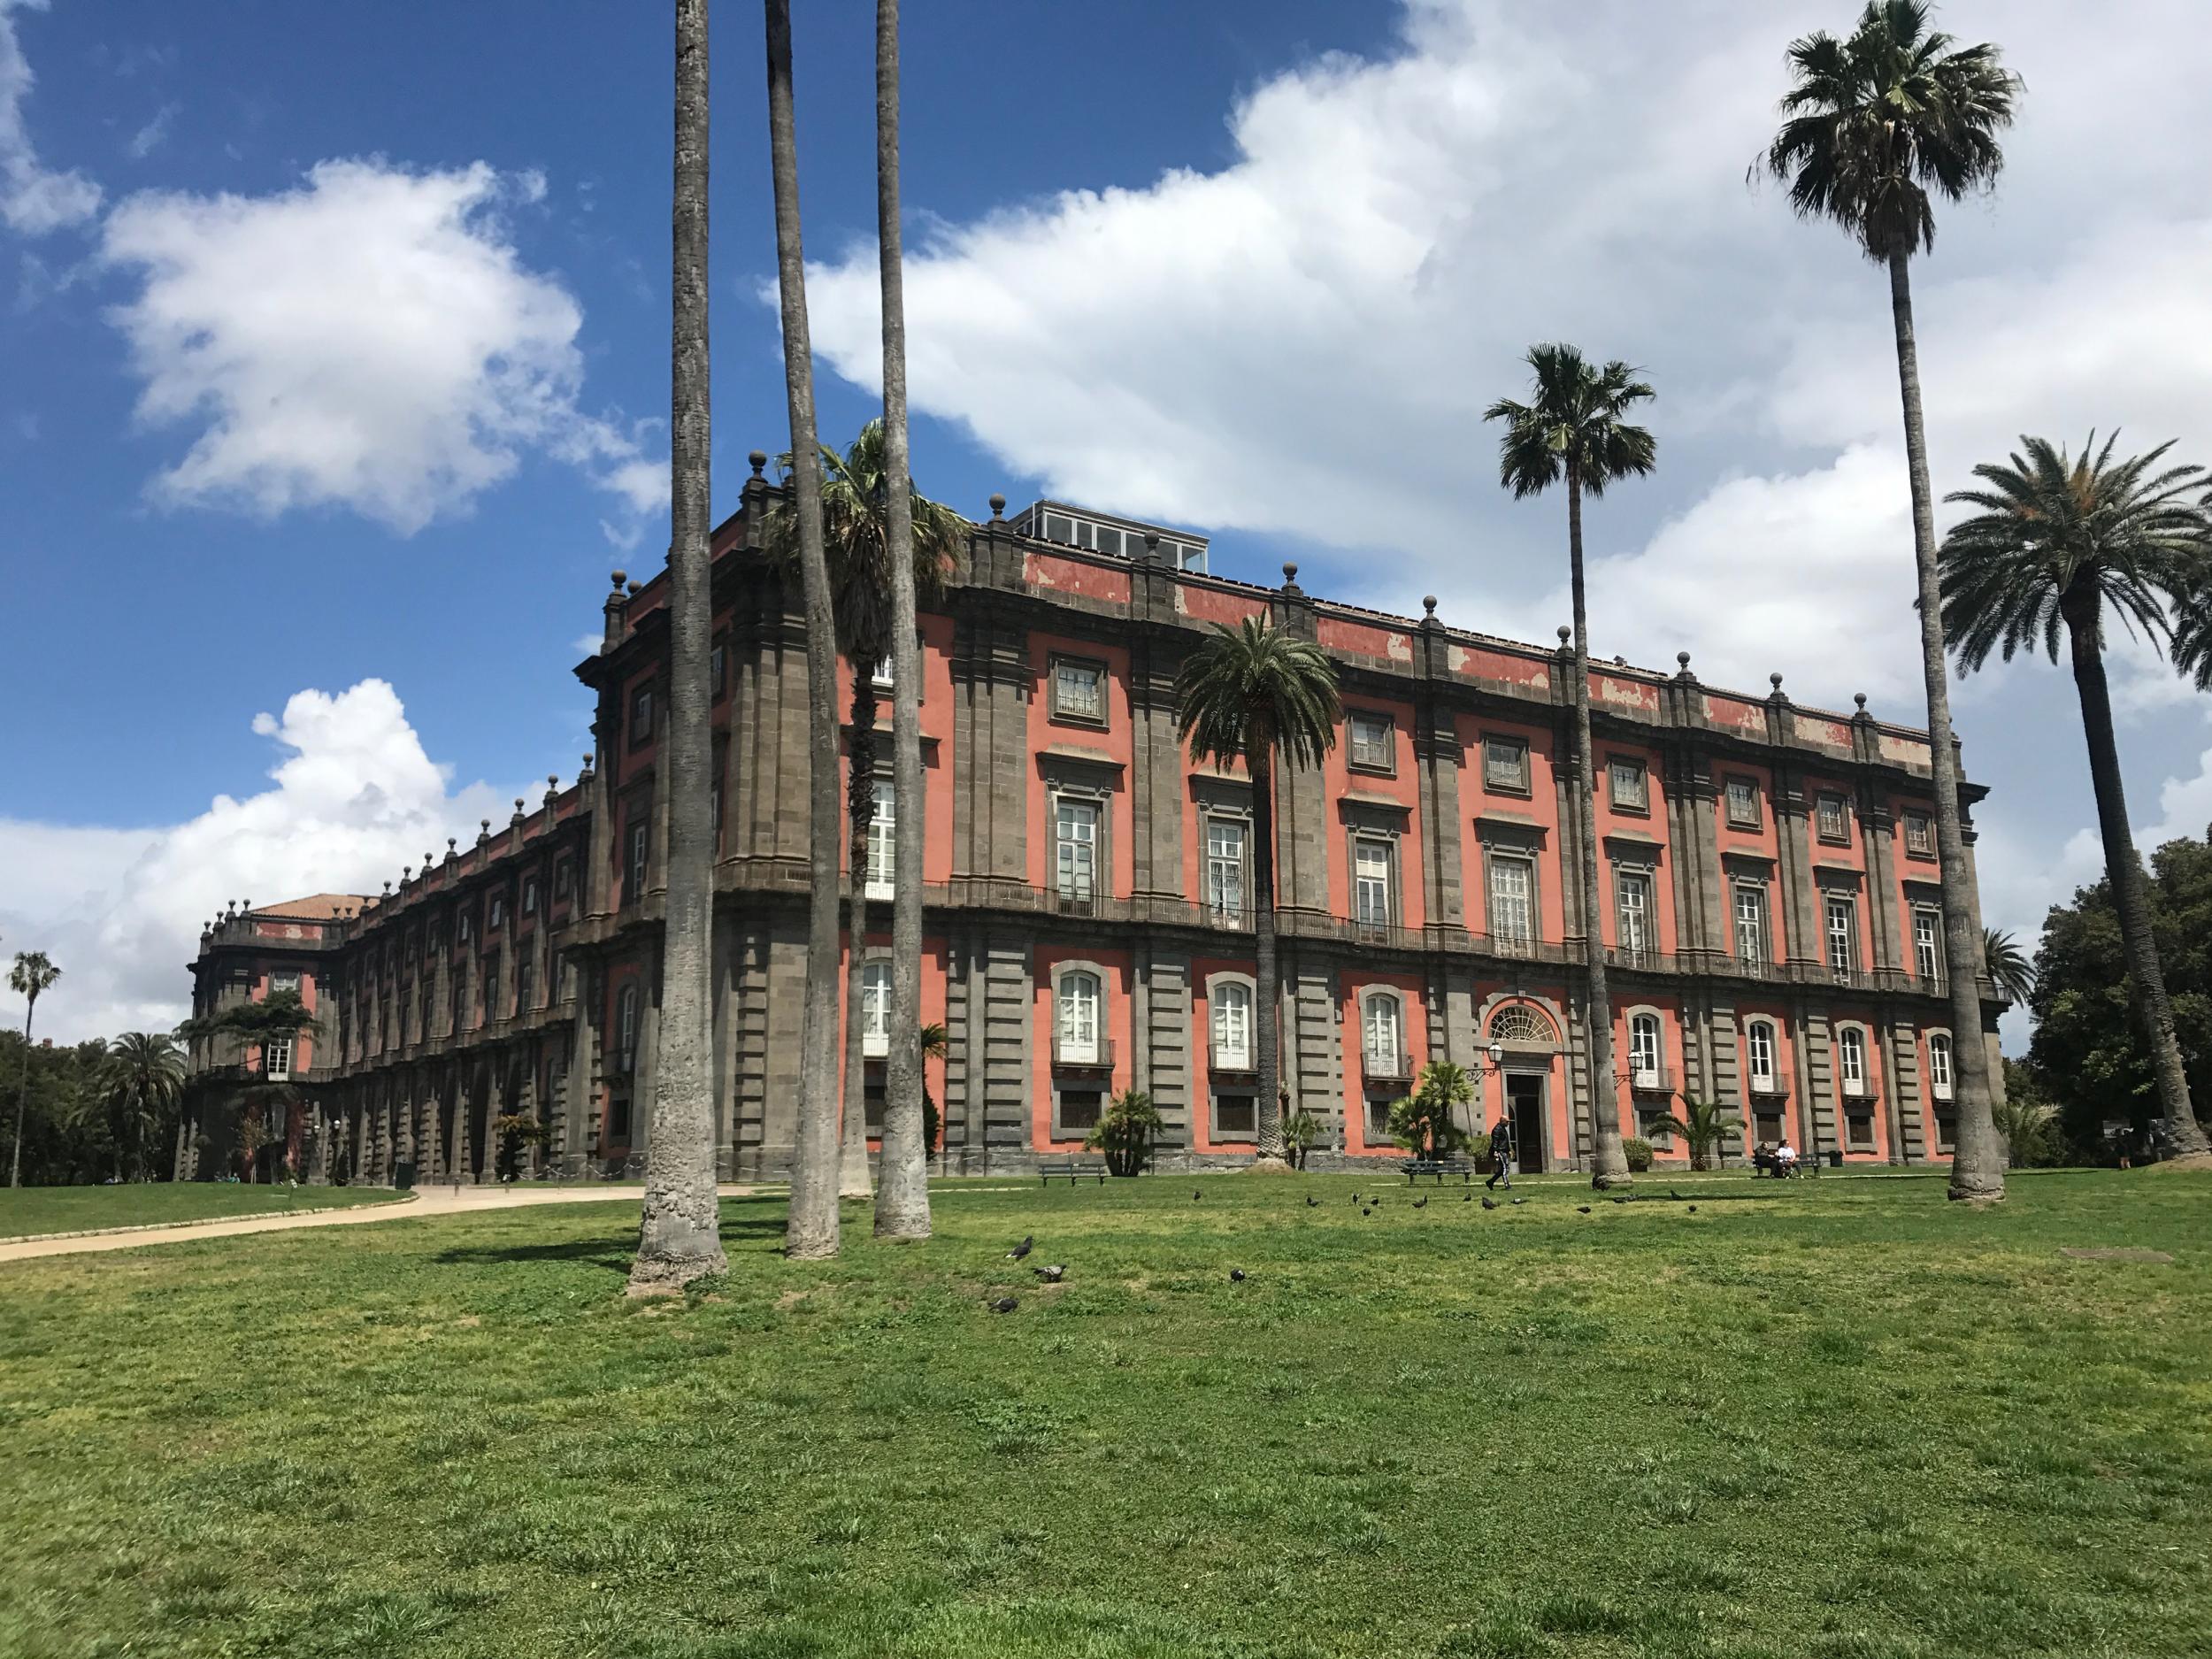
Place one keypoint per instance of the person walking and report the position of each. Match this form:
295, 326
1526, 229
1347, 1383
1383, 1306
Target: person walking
1502, 1152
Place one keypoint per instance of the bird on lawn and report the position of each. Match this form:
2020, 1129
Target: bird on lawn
1004, 1304
1236, 1276
1028, 1243
1489, 1202
1582, 1209
1196, 1195
1520, 1201
1420, 1203
1311, 1202
1466, 1198
1052, 1272
1365, 1211
1694, 1209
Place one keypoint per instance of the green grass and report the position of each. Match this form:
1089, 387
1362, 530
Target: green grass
1844, 1419
33, 1210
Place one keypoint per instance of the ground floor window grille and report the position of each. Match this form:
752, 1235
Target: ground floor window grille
1236, 1113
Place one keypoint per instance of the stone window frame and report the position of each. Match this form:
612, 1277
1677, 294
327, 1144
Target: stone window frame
639, 730
718, 667
495, 913
872, 1045
529, 896
1059, 715
1082, 1076
1943, 1090
1640, 806
1740, 882
1642, 862
637, 861
1931, 849
1215, 983
564, 878
1526, 790
292, 974
1834, 888
1932, 975
1658, 1084
1821, 801
884, 891
624, 1028
1365, 997
1518, 843
1755, 818
1100, 796
1210, 813
1371, 834
1775, 1087
1867, 1091
1388, 766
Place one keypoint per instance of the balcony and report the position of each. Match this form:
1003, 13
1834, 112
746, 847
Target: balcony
1095, 1055
1377, 1068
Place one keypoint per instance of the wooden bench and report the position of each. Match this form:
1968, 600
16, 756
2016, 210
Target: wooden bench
1071, 1169
1464, 1168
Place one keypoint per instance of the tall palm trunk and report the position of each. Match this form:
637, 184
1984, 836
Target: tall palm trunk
860, 805
1259, 757
2125, 868
903, 1186
1978, 1164
1609, 1160
22, 1092
812, 1229
679, 1235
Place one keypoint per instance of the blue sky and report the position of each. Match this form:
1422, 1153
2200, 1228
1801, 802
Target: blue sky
334, 345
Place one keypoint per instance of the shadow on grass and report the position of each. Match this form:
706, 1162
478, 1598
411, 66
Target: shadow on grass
611, 1251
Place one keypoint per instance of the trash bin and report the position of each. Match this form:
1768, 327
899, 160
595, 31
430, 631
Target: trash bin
1835, 1157
403, 1177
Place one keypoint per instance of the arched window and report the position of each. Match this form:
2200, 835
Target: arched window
1644, 1050
1078, 1022
626, 1029
1517, 1023
875, 1009
1381, 1041
1939, 1064
1851, 1059
883, 826
1232, 1026
1760, 1051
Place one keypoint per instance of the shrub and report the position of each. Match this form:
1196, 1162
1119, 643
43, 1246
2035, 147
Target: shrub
1422, 1123
1637, 1152
1123, 1132
1301, 1132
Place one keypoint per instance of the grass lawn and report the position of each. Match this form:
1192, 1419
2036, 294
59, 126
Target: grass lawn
30, 1209
1843, 1418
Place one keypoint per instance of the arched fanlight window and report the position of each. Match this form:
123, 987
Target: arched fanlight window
1851, 1059
875, 1009
1759, 1053
1517, 1023
1232, 1026
1644, 1050
1939, 1064
1381, 1026
1078, 1022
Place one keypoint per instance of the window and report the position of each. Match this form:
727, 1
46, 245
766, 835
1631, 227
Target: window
1232, 1026
641, 844
1236, 1113
461, 929
875, 1009
1630, 790
1522, 1026
1505, 764
640, 716
1851, 1060
618, 1118
1759, 1055
1767, 1126
1920, 836
1859, 1128
1927, 942
1078, 1028
1079, 690
1225, 867
1834, 820
1939, 1064
1644, 1051
1843, 933
560, 880
1379, 1037
714, 810
284, 980
881, 677
883, 826
1631, 896
1370, 883
1743, 803
1369, 738
1512, 899
1186, 556
717, 669
626, 1030
498, 910
277, 1059
1079, 1109
523, 983
529, 896
1075, 843
1751, 922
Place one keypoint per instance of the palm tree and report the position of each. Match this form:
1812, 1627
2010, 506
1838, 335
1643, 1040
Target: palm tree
679, 1231
902, 1199
1703, 1126
856, 540
812, 1231
1874, 124
1253, 692
2058, 542
144, 1080
31, 974
280, 1017
2009, 965
1576, 428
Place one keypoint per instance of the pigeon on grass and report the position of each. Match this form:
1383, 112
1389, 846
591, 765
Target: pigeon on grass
1028, 1243
1004, 1304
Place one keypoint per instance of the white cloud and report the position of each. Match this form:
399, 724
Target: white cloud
353, 800
370, 340
34, 199
155, 134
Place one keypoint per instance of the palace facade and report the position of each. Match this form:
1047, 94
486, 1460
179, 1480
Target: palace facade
1771, 905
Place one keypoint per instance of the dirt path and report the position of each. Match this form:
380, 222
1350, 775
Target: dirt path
426, 1201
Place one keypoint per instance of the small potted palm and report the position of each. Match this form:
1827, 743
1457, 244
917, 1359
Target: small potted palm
1123, 1132
1422, 1123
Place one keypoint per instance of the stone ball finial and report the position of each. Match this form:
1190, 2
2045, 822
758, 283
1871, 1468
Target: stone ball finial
388, 888
1682, 659
1775, 680
518, 798
617, 577
1566, 633
406, 874
449, 845
759, 459
634, 589
998, 505
1428, 605
552, 780
484, 826
1858, 697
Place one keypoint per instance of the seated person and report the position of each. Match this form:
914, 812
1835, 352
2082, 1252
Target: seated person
1763, 1157
1785, 1158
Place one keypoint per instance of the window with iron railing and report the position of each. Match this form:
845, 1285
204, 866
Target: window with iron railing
1231, 1026
1381, 1047
1760, 1053
1075, 839
1077, 1034
883, 837
1632, 896
1225, 868
1645, 1051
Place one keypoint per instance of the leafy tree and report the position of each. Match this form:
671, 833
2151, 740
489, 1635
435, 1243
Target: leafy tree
679, 1230
1704, 1126
28, 978
1576, 427
280, 1017
1877, 126
2088, 1057
144, 1083
1253, 693
2058, 543
1424, 1122
2009, 965
812, 1232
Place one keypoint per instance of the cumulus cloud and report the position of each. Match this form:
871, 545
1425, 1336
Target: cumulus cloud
34, 199
353, 799
370, 340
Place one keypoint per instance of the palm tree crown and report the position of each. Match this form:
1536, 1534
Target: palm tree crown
2009, 965
32, 974
2192, 614
2058, 540
1251, 685
1575, 428
1877, 122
